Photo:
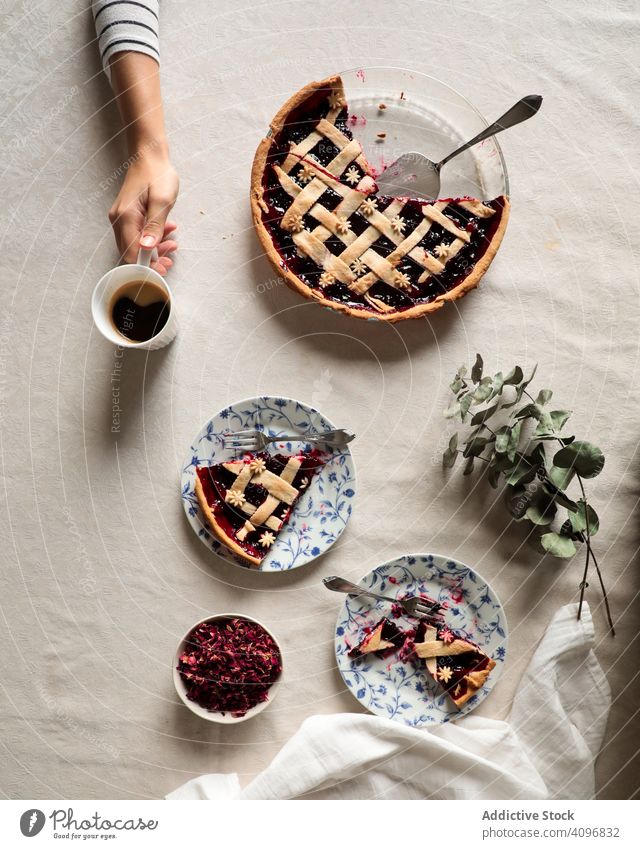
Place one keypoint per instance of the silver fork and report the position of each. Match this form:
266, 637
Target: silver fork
413, 606
255, 440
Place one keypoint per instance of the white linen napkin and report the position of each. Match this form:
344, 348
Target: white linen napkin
545, 750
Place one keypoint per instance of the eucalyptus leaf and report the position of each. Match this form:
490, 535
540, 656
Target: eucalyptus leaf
563, 500
542, 512
452, 411
584, 457
449, 458
558, 545
484, 390
468, 466
457, 384
528, 411
579, 519
482, 415
504, 463
514, 376
474, 447
551, 436
476, 371
522, 473
544, 428
560, 477
559, 418
514, 440
543, 397
465, 403
538, 455
502, 439
498, 383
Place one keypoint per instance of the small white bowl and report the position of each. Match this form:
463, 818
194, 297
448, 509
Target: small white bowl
216, 716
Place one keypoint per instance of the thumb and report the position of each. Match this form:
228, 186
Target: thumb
157, 210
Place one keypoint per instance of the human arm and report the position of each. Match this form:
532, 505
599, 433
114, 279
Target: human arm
150, 187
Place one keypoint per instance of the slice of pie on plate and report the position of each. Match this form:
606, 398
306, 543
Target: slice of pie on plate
335, 239
379, 639
247, 502
457, 664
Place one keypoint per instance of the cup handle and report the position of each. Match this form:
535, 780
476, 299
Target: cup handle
146, 257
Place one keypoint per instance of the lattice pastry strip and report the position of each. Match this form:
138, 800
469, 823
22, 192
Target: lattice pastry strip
279, 489
438, 648
298, 152
349, 150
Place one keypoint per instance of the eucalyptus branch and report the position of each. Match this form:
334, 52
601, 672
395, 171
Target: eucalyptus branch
598, 572
515, 451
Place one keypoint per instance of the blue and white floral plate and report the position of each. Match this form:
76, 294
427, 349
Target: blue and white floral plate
321, 514
405, 691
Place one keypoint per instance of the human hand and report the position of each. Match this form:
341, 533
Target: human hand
139, 213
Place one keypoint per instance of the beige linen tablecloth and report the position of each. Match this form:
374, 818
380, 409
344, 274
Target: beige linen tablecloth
100, 572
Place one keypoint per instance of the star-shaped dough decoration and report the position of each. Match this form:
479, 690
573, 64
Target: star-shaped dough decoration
442, 251
257, 465
336, 100
296, 223
444, 674
306, 173
235, 498
368, 206
398, 224
401, 280
358, 267
352, 176
327, 279
447, 636
267, 539
343, 225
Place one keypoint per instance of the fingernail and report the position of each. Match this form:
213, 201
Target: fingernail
148, 241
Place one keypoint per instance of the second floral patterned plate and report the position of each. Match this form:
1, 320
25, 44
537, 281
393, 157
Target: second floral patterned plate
405, 691
320, 515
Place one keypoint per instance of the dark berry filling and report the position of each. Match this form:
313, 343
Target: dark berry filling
216, 481
385, 630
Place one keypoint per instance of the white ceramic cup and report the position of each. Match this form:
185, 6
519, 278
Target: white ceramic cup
113, 280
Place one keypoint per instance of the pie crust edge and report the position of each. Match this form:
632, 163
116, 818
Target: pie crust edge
481, 676
222, 536
294, 282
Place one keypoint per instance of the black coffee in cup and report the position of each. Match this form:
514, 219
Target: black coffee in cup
139, 310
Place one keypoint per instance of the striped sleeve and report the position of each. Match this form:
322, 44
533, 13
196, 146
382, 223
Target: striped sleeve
126, 25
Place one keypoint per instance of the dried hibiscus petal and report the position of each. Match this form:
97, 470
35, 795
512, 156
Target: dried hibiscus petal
229, 665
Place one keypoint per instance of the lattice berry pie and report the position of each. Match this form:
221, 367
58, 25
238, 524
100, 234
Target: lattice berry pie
457, 664
331, 235
247, 502
379, 639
